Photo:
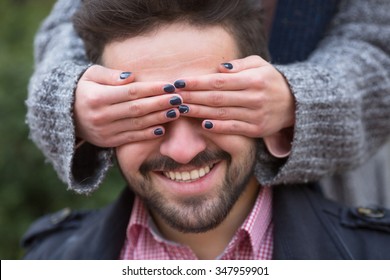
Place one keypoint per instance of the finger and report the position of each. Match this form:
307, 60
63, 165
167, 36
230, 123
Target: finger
239, 98
138, 108
222, 113
222, 82
216, 81
107, 76
235, 80
126, 137
237, 65
232, 127
136, 90
134, 124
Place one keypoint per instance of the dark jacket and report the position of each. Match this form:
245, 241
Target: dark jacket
306, 226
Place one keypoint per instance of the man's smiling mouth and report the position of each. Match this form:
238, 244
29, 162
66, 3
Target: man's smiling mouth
188, 176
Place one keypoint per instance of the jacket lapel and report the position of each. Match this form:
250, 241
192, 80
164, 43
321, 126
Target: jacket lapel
301, 230
105, 233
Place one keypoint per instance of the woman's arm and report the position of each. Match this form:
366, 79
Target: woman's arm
60, 60
342, 95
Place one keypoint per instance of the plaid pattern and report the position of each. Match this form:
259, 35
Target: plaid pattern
253, 240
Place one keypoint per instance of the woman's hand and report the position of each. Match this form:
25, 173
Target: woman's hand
248, 97
111, 109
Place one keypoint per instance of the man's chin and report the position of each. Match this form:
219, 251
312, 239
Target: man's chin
194, 226
193, 215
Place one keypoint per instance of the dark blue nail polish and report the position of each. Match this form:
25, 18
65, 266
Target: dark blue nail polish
158, 131
175, 101
169, 88
124, 75
228, 66
180, 84
171, 114
184, 109
208, 125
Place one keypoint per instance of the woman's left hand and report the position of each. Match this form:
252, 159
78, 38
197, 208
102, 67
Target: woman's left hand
248, 97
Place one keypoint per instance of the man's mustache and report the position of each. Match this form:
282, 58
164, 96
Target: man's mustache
200, 160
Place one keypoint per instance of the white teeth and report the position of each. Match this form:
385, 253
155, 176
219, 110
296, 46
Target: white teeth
188, 176
185, 176
194, 174
177, 175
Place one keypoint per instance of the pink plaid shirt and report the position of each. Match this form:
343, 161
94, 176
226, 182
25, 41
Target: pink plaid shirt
253, 240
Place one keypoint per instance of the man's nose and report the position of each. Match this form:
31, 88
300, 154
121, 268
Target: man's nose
183, 140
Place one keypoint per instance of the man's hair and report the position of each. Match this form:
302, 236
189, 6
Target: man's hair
100, 22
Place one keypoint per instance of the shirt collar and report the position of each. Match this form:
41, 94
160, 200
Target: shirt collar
259, 219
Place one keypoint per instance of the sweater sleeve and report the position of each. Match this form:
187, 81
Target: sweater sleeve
342, 95
60, 60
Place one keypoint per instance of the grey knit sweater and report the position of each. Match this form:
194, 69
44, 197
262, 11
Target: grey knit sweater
342, 94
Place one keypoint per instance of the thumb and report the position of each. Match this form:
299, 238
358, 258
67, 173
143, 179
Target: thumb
241, 64
106, 76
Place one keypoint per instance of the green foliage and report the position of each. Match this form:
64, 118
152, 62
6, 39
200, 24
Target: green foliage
29, 187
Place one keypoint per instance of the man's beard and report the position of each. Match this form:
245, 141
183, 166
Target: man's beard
203, 212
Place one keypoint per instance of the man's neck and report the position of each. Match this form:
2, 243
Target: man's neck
211, 244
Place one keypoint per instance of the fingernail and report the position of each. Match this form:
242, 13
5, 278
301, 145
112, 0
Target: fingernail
171, 114
184, 109
158, 131
180, 84
175, 101
169, 88
124, 75
228, 66
208, 125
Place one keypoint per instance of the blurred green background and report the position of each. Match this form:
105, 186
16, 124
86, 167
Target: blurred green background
29, 187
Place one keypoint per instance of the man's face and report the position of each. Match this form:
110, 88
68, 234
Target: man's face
189, 177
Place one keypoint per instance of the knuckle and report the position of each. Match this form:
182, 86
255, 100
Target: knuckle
131, 138
218, 83
256, 131
222, 113
235, 126
161, 103
127, 138
135, 109
92, 100
155, 89
259, 100
259, 82
192, 83
216, 98
96, 118
132, 93
232, 127
135, 123
262, 83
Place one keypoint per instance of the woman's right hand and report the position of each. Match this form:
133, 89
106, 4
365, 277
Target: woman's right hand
111, 109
